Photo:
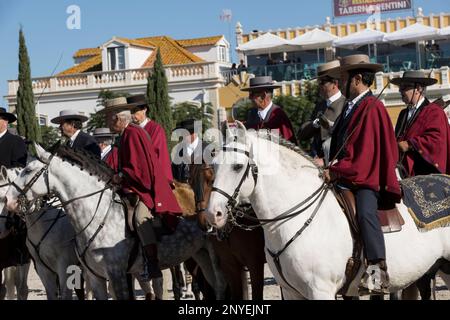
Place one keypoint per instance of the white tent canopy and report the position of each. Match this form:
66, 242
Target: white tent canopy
314, 39
412, 33
266, 42
445, 32
356, 40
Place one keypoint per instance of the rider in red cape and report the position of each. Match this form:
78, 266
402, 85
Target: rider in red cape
267, 115
422, 130
364, 145
143, 182
156, 132
373, 136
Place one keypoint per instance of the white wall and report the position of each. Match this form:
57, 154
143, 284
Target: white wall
210, 53
137, 57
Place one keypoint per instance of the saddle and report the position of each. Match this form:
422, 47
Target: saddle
390, 221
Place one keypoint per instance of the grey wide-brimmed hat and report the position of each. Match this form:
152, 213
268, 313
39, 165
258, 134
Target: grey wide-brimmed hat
121, 104
356, 62
7, 116
69, 115
415, 77
328, 69
258, 83
102, 133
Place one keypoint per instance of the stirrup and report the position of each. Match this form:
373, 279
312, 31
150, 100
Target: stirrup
374, 281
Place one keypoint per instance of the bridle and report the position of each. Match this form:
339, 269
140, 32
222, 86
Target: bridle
318, 195
24, 204
232, 199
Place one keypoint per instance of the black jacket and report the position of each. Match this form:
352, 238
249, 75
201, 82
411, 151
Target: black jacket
87, 142
13, 151
181, 171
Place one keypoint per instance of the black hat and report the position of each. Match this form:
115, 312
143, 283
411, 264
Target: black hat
415, 77
7, 116
262, 83
188, 124
138, 101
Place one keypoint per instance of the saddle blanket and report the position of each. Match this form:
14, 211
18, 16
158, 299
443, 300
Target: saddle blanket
428, 200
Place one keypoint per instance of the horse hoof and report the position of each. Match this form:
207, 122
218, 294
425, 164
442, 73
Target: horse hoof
150, 296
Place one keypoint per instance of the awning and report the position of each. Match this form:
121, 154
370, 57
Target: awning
356, 40
445, 32
413, 33
314, 39
268, 42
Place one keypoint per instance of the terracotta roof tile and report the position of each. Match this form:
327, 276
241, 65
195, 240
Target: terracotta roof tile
206, 41
88, 52
171, 52
91, 64
137, 42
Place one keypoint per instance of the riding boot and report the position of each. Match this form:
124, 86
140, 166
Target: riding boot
151, 264
376, 279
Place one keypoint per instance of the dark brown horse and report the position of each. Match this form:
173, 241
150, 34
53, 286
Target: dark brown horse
236, 248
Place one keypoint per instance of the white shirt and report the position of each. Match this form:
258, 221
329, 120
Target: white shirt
144, 123
191, 147
352, 103
3, 133
72, 138
412, 110
263, 113
105, 152
334, 98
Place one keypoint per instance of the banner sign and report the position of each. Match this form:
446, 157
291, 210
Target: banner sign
344, 8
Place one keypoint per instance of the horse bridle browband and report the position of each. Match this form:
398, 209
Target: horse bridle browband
232, 200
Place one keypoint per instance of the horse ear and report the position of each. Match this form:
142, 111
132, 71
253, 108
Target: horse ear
226, 132
41, 153
3, 173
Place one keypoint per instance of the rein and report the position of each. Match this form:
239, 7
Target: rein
317, 196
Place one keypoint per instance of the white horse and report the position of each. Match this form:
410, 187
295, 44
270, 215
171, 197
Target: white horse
313, 265
103, 243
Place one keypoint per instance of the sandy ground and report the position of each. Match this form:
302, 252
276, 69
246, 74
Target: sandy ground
271, 289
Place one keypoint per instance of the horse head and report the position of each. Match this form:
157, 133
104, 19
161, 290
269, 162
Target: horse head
32, 182
234, 168
6, 219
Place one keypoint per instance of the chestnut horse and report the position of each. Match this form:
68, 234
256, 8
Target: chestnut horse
236, 248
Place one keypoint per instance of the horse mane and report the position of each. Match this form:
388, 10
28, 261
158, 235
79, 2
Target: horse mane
270, 136
86, 161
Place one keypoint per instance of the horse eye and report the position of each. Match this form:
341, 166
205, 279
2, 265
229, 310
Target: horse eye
238, 167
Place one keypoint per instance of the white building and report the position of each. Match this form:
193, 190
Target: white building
194, 70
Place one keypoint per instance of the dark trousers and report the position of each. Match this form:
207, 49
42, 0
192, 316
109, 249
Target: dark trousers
373, 238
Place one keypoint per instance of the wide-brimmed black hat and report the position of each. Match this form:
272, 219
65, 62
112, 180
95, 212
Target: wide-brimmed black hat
7, 116
259, 83
415, 77
69, 115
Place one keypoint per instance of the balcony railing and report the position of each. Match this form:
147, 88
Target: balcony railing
285, 72
99, 80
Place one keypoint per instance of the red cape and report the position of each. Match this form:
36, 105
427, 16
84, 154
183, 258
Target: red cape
277, 120
159, 141
371, 152
429, 136
143, 172
112, 158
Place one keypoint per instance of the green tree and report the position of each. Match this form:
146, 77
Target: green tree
241, 109
50, 135
187, 110
27, 123
158, 97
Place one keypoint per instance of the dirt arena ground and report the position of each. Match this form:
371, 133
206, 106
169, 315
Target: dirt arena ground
271, 289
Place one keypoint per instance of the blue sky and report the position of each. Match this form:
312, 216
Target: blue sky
48, 38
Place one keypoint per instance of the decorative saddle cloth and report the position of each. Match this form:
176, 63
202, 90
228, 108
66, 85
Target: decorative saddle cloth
428, 200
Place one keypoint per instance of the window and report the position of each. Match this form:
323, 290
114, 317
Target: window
42, 120
222, 53
116, 58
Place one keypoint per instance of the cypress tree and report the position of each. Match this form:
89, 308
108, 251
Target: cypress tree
27, 124
158, 97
